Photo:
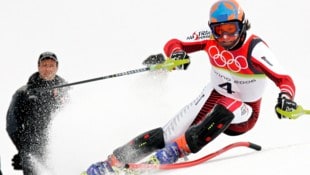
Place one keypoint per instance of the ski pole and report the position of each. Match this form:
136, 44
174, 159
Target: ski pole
299, 111
169, 65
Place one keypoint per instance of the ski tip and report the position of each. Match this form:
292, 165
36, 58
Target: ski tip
255, 146
83, 173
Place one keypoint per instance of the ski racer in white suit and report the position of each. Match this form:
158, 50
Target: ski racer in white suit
241, 63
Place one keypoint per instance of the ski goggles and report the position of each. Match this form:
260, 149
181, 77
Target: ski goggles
227, 28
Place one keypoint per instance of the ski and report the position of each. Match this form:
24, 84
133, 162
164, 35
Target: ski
142, 168
145, 166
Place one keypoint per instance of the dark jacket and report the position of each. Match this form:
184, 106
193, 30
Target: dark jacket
31, 111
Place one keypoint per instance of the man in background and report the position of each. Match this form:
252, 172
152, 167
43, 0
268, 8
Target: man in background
31, 110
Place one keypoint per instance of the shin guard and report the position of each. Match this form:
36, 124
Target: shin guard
214, 124
141, 146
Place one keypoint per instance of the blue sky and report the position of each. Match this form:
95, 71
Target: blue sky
96, 38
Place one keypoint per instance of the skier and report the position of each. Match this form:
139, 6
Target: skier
31, 111
240, 62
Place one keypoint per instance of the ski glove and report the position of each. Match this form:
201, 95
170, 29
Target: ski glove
180, 55
16, 162
154, 59
285, 103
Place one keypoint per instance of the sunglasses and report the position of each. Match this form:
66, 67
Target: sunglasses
229, 28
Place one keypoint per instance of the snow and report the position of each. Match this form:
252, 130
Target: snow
96, 38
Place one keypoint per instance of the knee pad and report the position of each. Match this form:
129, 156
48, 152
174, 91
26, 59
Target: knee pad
215, 123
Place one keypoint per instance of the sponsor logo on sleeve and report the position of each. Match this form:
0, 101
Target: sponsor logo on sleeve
198, 35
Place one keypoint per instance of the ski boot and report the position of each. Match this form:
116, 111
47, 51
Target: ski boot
99, 168
168, 155
171, 152
108, 167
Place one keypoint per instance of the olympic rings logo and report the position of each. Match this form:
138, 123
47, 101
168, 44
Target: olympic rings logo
227, 59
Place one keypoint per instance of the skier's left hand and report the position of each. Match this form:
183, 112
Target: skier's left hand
285, 103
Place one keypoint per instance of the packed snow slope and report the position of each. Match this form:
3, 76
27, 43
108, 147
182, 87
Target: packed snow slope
96, 38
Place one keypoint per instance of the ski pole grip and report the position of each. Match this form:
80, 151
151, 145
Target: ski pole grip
255, 146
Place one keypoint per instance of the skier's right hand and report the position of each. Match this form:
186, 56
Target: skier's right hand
154, 59
180, 55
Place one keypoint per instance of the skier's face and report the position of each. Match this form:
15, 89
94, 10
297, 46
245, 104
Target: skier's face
227, 41
48, 69
226, 34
